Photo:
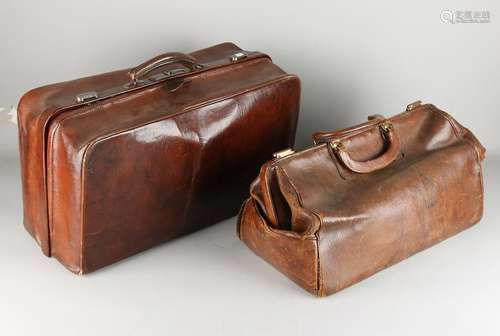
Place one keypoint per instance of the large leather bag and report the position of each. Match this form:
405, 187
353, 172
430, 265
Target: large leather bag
364, 198
116, 163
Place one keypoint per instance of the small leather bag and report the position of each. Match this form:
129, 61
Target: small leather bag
116, 163
364, 198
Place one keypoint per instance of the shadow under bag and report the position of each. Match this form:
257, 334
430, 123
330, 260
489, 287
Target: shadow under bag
364, 198
119, 162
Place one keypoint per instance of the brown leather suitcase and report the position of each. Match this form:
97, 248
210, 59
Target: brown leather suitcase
364, 198
116, 163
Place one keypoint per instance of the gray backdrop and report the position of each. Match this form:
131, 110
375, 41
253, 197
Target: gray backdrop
354, 58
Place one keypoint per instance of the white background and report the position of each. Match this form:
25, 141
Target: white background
354, 59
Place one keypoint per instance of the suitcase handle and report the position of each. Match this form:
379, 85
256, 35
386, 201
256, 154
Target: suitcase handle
390, 155
160, 61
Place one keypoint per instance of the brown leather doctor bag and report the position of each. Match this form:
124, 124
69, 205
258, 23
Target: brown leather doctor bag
364, 198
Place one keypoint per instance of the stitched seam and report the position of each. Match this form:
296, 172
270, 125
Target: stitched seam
480, 173
448, 119
44, 176
319, 278
482, 186
86, 150
470, 142
268, 191
459, 135
51, 200
240, 218
295, 189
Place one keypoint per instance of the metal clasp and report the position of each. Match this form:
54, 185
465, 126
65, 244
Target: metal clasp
336, 145
387, 127
86, 97
413, 105
238, 56
283, 153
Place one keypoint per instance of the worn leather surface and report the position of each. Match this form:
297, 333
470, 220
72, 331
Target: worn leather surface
142, 165
327, 224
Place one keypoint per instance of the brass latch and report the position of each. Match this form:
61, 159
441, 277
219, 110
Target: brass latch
413, 105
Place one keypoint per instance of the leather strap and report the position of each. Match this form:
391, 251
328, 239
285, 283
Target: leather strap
390, 155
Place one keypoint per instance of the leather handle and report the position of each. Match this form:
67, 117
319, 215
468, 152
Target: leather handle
390, 155
322, 137
162, 60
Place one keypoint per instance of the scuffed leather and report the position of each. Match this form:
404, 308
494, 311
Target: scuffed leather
113, 178
327, 227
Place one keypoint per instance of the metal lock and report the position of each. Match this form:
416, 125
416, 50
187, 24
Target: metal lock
283, 153
238, 56
86, 97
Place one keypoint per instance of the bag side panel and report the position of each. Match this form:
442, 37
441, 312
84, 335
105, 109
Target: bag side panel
463, 132
32, 172
36, 109
64, 174
294, 256
406, 211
